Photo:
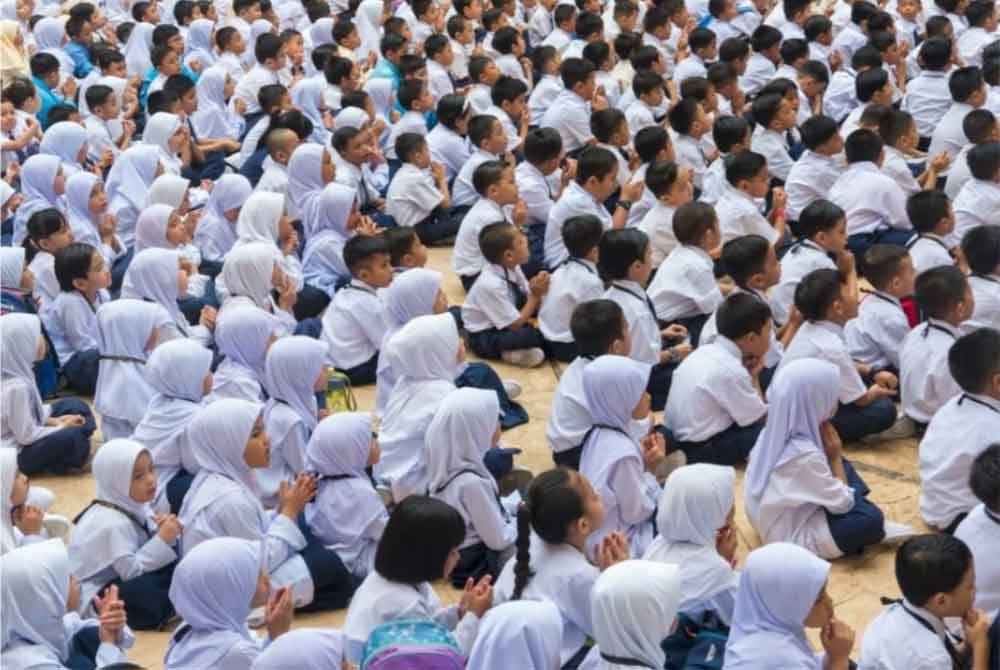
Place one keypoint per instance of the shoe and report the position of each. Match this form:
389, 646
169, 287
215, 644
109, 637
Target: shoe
896, 532
512, 388
674, 460
903, 428
524, 358
40, 497
56, 527
517, 479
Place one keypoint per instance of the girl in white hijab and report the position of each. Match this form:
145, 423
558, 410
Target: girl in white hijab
216, 231
295, 370
127, 331
158, 226
323, 261
696, 533
522, 635
50, 38
156, 275
351, 117
15, 528
54, 438
179, 372
249, 275
369, 24
303, 649
140, 43
129, 179
163, 131
426, 353
634, 605
16, 281
68, 141
42, 185
40, 599
309, 170
347, 515
466, 426
307, 96
243, 335
215, 118
782, 592
619, 466
199, 45
798, 486
87, 205
214, 589
118, 540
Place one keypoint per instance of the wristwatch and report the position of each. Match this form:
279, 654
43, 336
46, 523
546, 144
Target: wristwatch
625, 204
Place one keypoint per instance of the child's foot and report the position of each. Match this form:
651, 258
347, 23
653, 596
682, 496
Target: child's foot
56, 526
897, 532
903, 428
524, 358
512, 388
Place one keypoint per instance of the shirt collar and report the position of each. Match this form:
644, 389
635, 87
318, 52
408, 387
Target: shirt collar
632, 286
932, 619
988, 400
364, 286
830, 327
944, 324
730, 347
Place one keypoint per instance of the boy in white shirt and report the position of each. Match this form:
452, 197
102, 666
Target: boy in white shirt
462, 38
689, 120
731, 135
927, 96
721, 379
269, 69
353, 325
774, 115
672, 188
747, 180
875, 335
510, 45
703, 47
932, 218
684, 290
416, 100
570, 111
981, 249
418, 195
281, 144
499, 307
573, 283
978, 530
448, 142
440, 57
549, 86
489, 143
976, 204
763, 63
356, 164
817, 169
564, 18
509, 99
968, 92
647, 87
980, 127
611, 132
926, 383
104, 109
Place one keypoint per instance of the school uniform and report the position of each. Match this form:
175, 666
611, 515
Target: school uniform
775, 351
875, 207
979, 532
958, 173
895, 165
714, 181
413, 197
684, 289
641, 207
925, 381
574, 201
970, 45
71, 323
540, 25
557, 38
570, 115
639, 115
46, 288
840, 98
927, 251
724, 430
521, 634
849, 40
692, 66
690, 155
574, 282
546, 90
467, 259
409, 122
460, 66
464, 194
875, 335
479, 98
491, 306
242, 334
928, 99
249, 85
927, 640
801, 259
759, 71
986, 293
447, 148
100, 137
974, 206
538, 193
825, 340
738, 216
353, 327
948, 135
774, 147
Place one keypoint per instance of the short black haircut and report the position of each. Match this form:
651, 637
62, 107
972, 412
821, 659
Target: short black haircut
342, 137
420, 534
819, 216
866, 57
139, 10
268, 46
73, 262
504, 39
696, 88
477, 66
409, 92
978, 125
661, 176
435, 44
342, 29
43, 64
863, 145
644, 57
816, 70
588, 24
595, 325
487, 174
408, 144
862, 11
817, 25
74, 25
744, 165
223, 36
984, 160
581, 234
817, 291
19, 91
974, 359
700, 38
984, 477
925, 209
496, 239
870, 82
164, 32
794, 49
159, 101
882, 262
741, 314
391, 42
817, 130
935, 53
450, 109
619, 249
481, 127
964, 82
655, 18
733, 48
361, 249
336, 69
764, 38
765, 107
269, 97
626, 43
507, 89
683, 115
939, 289
542, 55
179, 84
575, 71
85, 10
410, 64
981, 246
563, 13
894, 125
598, 53
721, 74
542, 145
930, 564
159, 53
978, 11
97, 95
692, 220
183, 10
595, 162
646, 81
399, 240
650, 141
728, 131
745, 256
604, 123
63, 111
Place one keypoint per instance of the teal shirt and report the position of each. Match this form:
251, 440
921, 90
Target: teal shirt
49, 99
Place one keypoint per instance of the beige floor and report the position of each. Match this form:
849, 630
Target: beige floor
856, 584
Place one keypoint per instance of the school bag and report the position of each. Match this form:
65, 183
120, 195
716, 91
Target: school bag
411, 644
339, 395
696, 644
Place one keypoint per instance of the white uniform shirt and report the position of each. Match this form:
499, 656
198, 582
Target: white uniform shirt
925, 381
896, 166
448, 148
871, 200
544, 94
692, 66
640, 315
570, 115
658, 224
71, 322
825, 340
463, 193
981, 531
353, 326
958, 173
257, 78
412, 195
685, 285
986, 293
535, 189
709, 332
639, 115
924, 649
409, 122
738, 216
800, 260
467, 259
438, 80
840, 97
929, 251
928, 99
810, 179
690, 155
976, 205
771, 144
573, 282
971, 43
490, 302
875, 335
948, 133
759, 71
574, 201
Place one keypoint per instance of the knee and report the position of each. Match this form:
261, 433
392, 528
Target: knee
883, 413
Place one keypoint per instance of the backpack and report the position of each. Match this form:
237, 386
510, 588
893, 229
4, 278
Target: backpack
411, 644
339, 396
697, 645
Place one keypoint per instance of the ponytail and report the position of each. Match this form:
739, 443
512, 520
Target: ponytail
41, 224
522, 566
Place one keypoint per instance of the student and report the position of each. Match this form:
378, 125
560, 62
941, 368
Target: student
112, 543
684, 290
522, 634
53, 437
774, 115
45, 76
415, 100
127, 331
16, 283
42, 185
643, 112
827, 300
305, 648
611, 131
672, 188
899, 133
47, 233
574, 282
352, 325
269, 69
216, 231
968, 92
215, 587
765, 42
545, 61
509, 98
560, 513
931, 216
489, 143
570, 111
243, 334
126, 185
541, 170
976, 530
926, 383
294, 373
484, 74
876, 333
356, 167
40, 597
783, 591
927, 95
981, 248
731, 135
447, 140
104, 123
748, 179
419, 195
980, 194
347, 515
690, 123
980, 127
419, 545
874, 203
936, 575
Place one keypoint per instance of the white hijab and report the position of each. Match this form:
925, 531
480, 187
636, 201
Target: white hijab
802, 395
8, 473
160, 127
230, 192
20, 335
49, 34
199, 45
335, 204
242, 333
368, 21
305, 182
259, 219
35, 591
137, 50
152, 275
321, 32
212, 119
11, 266
779, 586
307, 96
695, 503
80, 219
65, 140
380, 90
168, 189
351, 117
151, 227
248, 271
613, 386
131, 175
633, 605
293, 364
211, 590
459, 436
38, 176
303, 649
522, 634
124, 327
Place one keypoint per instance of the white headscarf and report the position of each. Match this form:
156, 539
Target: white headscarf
802, 395
65, 140
248, 270
321, 32
380, 90
303, 649
49, 34
38, 176
20, 335
167, 189
80, 219
8, 473
258, 28
11, 266
242, 333
131, 175
613, 386
151, 227
212, 119
305, 182
124, 327
137, 50
522, 634
351, 117
152, 275
368, 21
160, 127
335, 204
340, 445
199, 45
35, 591
695, 503
779, 586
293, 364
633, 605
211, 590
459, 436
259, 219
230, 192
307, 96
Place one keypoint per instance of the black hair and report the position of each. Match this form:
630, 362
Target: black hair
744, 165
43, 64
179, 84
974, 359
930, 564
817, 130
139, 10
223, 36
815, 70
793, 49
450, 109
360, 249
978, 11
863, 145
161, 101
644, 57
316, 11
661, 177
964, 82
409, 92
745, 256
487, 174
981, 246
270, 96
563, 13
819, 216
575, 71
866, 57
336, 69
477, 66
650, 141
595, 325
596, 162
869, 82
925, 209
63, 111
700, 38
391, 42
984, 476
817, 291
97, 95
399, 240
74, 25
605, 122
882, 262
893, 125
935, 53
480, 128
542, 145
741, 314
504, 39
435, 44
419, 536
619, 249
862, 11
692, 220
764, 38
552, 503
720, 74
73, 262
978, 125
783, 86
733, 48
85, 10
394, 25
158, 54
41, 225
20, 90
123, 30
408, 144
984, 160
183, 10
646, 81
882, 40
683, 114
163, 33
696, 88
817, 25
581, 234
410, 64
880, 22
597, 53
342, 137
939, 289
541, 55
626, 43
765, 108
490, 18
495, 239
268, 46
507, 89
991, 69
655, 18
105, 58
342, 29
587, 24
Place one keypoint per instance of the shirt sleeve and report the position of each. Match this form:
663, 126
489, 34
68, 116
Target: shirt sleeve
852, 386
151, 556
635, 504
487, 518
496, 305
77, 327
737, 396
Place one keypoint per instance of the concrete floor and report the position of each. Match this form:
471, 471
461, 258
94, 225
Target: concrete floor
856, 584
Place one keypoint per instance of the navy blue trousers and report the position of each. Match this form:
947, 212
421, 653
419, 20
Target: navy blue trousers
863, 525
81, 371
493, 342
333, 583
476, 561
854, 422
64, 450
730, 447
859, 243
146, 598
177, 488
481, 376
83, 649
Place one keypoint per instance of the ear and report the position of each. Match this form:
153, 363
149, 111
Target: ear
80, 284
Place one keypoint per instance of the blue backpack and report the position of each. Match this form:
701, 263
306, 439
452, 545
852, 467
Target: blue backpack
412, 644
697, 645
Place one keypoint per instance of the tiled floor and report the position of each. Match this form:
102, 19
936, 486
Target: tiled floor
890, 469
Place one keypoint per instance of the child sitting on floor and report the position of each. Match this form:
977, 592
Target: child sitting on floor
876, 333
